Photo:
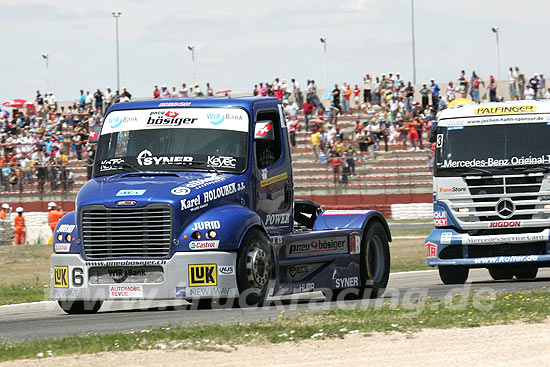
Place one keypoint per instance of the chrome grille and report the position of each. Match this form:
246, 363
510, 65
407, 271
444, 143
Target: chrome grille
477, 207
126, 232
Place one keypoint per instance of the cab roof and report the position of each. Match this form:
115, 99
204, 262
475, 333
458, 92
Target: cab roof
495, 109
245, 102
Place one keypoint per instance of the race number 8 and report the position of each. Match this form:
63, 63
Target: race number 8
439, 143
78, 277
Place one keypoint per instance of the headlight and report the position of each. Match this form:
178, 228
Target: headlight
60, 238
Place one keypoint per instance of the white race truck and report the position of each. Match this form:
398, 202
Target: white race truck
491, 191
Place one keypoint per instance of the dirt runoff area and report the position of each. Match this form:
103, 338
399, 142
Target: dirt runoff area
519, 344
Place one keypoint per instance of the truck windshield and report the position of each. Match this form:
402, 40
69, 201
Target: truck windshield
479, 150
176, 139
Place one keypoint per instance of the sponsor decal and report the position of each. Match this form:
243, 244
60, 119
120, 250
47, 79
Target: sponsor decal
61, 277
66, 293
505, 224
114, 122
274, 179
440, 218
126, 291
180, 191
452, 189
298, 270
504, 109
505, 238
506, 259
297, 288
215, 118
345, 212
203, 275
203, 182
221, 161
168, 119
62, 247
446, 238
496, 162
181, 292
431, 249
126, 203
346, 282
192, 204
111, 164
211, 291
277, 240
130, 192
115, 263
146, 158
209, 224
226, 269
204, 245
264, 130
276, 219
174, 104
66, 228
336, 245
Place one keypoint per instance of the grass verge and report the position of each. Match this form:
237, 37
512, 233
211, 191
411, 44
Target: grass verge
23, 293
463, 310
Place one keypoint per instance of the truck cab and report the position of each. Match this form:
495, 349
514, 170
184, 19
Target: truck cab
491, 191
193, 199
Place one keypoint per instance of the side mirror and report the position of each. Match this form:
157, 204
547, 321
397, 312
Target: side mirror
94, 134
264, 131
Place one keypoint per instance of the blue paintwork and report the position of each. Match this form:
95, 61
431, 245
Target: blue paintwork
238, 212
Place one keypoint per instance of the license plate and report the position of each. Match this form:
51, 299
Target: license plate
112, 275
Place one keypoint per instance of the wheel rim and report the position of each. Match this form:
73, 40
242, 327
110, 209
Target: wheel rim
257, 266
375, 259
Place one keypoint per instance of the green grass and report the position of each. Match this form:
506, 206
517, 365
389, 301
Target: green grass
463, 310
23, 293
411, 232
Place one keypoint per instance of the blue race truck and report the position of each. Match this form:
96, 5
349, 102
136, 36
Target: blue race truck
491, 191
193, 199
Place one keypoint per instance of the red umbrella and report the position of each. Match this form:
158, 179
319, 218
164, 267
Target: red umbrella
18, 103
223, 91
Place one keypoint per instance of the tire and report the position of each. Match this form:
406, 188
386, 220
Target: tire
501, 273
526, 273
375, 261
254, 268
453, 274
80, 307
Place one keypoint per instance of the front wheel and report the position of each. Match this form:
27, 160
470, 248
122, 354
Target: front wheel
453, 274
80, 307
501, 273
526, 273
375, 261
254, 267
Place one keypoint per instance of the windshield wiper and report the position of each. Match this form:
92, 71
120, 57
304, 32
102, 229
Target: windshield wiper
129, 165
482, 170
528, 169
208, 165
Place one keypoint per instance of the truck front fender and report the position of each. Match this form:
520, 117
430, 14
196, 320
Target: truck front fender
65, 235
228, 223
341, 219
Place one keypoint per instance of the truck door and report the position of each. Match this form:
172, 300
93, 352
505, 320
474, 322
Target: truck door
274, 194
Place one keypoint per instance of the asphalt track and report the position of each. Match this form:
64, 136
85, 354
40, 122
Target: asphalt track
46, 320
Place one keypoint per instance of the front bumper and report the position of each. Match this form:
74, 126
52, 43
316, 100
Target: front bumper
208, 274
440, 239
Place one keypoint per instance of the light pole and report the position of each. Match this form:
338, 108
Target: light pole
495, 31
117, 15
47, 58
192, 49
414, 55
324, 42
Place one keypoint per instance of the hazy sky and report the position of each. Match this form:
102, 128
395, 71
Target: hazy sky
242, 42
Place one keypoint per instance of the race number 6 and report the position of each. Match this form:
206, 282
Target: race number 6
78, 277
